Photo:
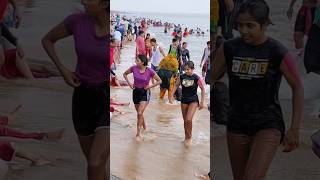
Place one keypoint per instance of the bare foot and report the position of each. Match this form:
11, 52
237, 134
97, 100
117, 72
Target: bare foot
188, 142
204, 177
41, 162
144, 131
12, 116
138, 138
55, 135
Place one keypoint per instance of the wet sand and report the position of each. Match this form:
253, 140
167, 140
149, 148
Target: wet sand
162, 155
301, 164
46, 102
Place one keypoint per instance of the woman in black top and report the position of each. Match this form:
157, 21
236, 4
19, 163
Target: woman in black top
189, 101
255, 64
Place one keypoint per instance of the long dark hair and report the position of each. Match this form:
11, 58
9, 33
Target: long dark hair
143, 59
258, 9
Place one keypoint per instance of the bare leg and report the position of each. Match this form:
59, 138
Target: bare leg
23, 67
141, 108
184, 110
298, 39
188, 122
12, 116
239, 151
55, 135
36, 160
99, 154
85, 144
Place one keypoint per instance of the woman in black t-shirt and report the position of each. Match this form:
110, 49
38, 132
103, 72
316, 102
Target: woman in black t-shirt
189, 101
255, 64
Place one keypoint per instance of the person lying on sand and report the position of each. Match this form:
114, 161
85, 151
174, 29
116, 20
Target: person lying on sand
9, 132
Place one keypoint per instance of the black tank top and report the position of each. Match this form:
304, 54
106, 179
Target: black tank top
254, 81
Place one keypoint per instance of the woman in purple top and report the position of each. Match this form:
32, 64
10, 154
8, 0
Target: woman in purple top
90, 98
141, 88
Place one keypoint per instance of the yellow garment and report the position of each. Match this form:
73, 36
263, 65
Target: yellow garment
163, 91
169, 63
214, 15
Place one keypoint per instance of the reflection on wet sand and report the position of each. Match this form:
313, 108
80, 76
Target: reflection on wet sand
161, 155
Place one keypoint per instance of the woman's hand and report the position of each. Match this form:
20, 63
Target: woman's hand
147, 87
70, 78
291, 140
289, 13
131, 86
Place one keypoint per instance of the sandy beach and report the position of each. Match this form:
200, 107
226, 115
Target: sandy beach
46, 102
162, 155
301, 164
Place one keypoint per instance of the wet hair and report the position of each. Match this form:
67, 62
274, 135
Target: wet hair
141, 32
143, 59
174, 40
258, 9
189, 64
153, 40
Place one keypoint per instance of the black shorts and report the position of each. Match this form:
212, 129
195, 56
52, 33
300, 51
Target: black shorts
190, 100
301, 20
312, 51
90, 109
140, 95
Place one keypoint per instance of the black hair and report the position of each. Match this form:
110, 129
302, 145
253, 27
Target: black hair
141, 32
112, 40
143, 59
209, 42
184, 43
153, 40
148, 34
174, 40
258, 9
190, 64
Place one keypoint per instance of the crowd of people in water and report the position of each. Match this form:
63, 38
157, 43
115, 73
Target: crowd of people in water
173, 71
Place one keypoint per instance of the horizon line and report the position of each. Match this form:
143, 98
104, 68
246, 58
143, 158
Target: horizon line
177, 13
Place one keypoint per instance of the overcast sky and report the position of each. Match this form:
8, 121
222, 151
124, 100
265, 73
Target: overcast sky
163, 6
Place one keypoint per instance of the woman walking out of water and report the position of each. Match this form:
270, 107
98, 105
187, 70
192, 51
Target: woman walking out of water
141, 89
255, 64
90, 97
190, 101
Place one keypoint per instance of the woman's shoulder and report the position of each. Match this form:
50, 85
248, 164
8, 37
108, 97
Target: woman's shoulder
277, 48
196, 76
134, 67
78, 17
232, 42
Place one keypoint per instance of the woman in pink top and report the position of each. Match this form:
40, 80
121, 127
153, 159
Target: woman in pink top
90, 108
141, 88
140, 44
